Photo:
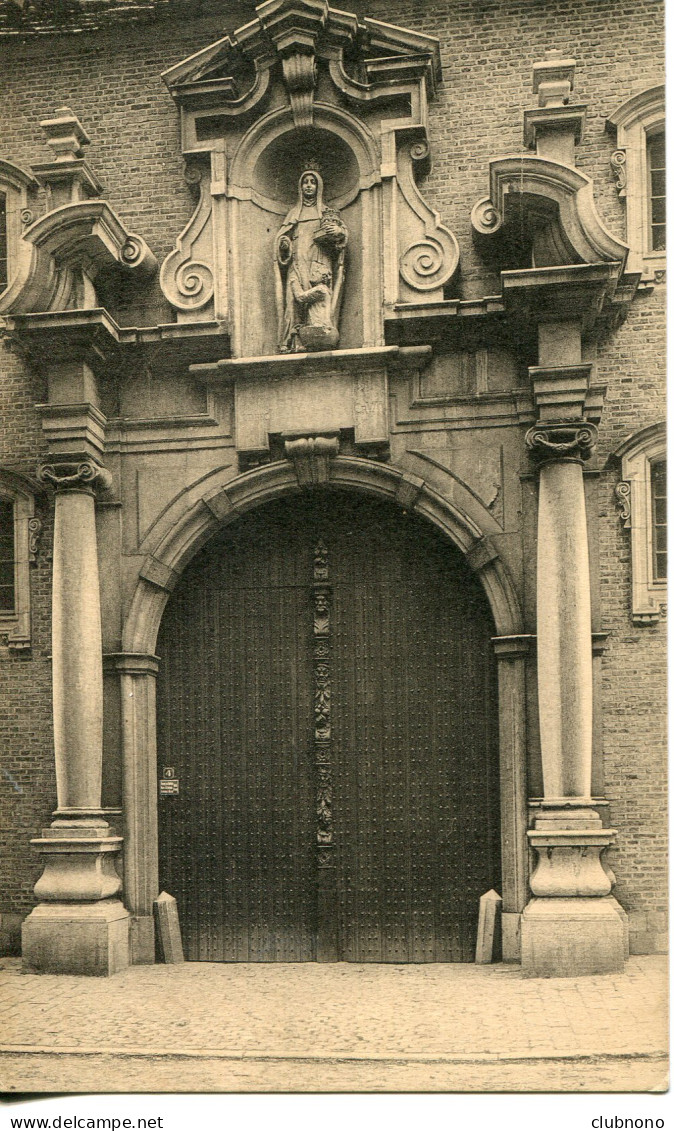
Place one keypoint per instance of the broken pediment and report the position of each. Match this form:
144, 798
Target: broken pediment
307, 88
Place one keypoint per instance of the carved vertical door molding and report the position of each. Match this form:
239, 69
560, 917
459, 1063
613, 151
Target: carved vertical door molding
326, 936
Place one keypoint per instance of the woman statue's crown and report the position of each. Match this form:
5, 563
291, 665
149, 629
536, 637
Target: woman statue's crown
311, 165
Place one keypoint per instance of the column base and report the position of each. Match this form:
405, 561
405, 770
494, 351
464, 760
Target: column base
76, 938
565, 938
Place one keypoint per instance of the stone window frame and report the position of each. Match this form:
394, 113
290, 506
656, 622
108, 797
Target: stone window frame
637, 456
18, 189
637, 119
15, 626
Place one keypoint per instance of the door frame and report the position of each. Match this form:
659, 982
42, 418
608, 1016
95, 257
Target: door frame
195, 515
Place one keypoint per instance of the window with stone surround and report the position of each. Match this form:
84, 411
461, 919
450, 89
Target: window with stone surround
19, 532
642, 493
639, 166
17, 195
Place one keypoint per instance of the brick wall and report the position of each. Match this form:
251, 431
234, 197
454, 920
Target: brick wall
27, 783
110, 78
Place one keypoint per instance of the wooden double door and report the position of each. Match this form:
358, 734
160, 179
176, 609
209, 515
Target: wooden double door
327, 707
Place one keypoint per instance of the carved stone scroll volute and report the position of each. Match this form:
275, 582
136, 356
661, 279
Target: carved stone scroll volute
187, 277
428, 253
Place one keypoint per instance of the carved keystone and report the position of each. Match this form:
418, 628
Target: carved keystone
311, 456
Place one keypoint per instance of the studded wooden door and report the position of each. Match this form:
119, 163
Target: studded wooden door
327, 704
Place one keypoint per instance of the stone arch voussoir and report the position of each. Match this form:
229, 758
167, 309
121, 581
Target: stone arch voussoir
199, 511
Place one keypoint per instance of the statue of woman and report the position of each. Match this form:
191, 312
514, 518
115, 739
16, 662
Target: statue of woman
309, 256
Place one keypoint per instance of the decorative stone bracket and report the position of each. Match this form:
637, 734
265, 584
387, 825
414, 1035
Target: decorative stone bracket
311, 456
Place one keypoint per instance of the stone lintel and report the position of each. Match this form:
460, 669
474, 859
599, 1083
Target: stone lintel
408, 323
94, 337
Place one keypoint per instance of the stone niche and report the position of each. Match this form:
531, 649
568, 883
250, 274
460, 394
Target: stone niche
307, 86
267, 199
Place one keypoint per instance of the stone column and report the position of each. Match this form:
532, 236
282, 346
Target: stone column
572, 926
79, 926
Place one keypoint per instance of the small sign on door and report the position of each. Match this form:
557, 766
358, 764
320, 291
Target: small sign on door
168, 783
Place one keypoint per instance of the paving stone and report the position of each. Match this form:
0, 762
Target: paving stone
240, 1027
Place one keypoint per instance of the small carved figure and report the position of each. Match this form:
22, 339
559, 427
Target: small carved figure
310, 250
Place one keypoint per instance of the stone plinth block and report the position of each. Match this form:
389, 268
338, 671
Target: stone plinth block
76, 938
564, 938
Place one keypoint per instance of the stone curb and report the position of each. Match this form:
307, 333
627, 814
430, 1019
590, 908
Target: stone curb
334, 1057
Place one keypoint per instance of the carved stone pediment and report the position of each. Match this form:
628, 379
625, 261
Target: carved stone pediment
306, 86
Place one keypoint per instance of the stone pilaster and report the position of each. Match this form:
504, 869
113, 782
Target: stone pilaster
572, 925
511, 654
138, 678
80, 925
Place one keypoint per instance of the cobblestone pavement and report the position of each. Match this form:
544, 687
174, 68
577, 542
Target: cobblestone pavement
344, 1027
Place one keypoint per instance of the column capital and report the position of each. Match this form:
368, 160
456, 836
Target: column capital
79, 475
562, 440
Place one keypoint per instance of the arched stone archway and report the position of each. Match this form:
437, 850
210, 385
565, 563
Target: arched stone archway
183, 528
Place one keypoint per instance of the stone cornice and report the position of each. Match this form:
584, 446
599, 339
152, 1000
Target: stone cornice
292, 364
95, 337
